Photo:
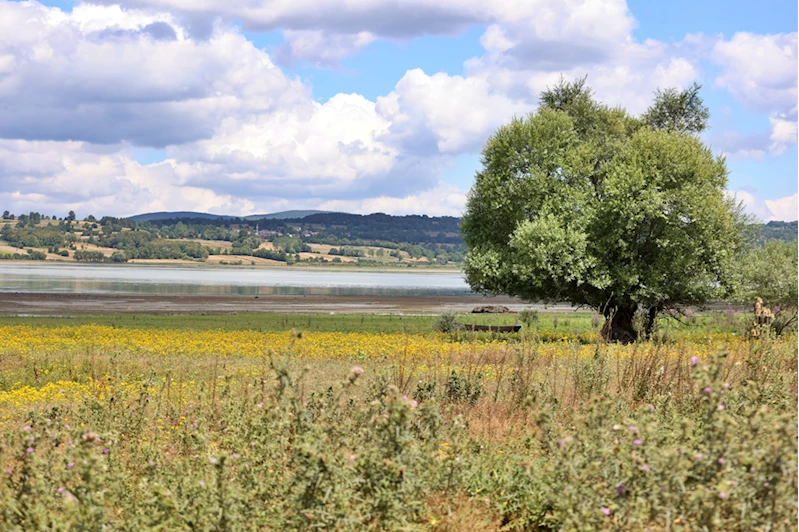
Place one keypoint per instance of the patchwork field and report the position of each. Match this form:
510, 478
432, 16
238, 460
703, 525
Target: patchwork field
381, 422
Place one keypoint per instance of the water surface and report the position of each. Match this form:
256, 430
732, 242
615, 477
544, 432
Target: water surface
174, 280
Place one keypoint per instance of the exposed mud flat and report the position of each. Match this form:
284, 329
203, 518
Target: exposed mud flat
58, 304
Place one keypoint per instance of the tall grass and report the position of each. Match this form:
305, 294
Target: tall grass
696, 433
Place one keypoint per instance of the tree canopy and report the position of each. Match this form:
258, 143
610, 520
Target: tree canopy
584, 203
769, 272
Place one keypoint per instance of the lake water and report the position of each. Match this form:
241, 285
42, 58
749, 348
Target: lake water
129, 279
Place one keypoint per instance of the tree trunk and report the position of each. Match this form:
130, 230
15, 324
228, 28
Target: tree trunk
649, 321
619, 325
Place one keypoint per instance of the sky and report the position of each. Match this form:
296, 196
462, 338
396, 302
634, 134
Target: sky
120, 107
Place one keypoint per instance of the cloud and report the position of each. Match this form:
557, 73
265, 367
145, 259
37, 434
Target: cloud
319, 48
784, 208
410, 18
55, 177
451, 114
311, 27
103, 76
738, 146
761, 72
230, 119
309, 149
441, 200
620, 70
781, 209
783, 133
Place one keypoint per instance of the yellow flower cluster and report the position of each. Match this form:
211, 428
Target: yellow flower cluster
50, 392
87, 339
434, 349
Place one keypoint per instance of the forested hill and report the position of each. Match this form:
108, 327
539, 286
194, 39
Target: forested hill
334, 227
785, 231
412, 228
337, 228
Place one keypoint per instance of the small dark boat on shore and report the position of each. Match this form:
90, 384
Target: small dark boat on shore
494, 328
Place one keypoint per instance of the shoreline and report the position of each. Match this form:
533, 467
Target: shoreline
225, 267
68, 304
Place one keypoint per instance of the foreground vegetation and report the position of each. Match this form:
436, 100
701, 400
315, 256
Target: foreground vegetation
216, 423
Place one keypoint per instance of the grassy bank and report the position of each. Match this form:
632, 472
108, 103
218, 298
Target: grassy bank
571, 323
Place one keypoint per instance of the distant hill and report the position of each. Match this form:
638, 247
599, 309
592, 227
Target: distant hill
337, 227
284, 215
188, 215
785, 231
152, 216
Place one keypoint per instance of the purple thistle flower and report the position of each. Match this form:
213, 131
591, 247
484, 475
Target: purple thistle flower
29, 450
645, 467
637, 442
699, 456
722, 407
708, 390
105, 450
61, 490
722, 495
722, 460
70, 465
605, 511
694, 360
620, 489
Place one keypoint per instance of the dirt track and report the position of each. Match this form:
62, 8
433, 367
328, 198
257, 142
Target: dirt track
44, 304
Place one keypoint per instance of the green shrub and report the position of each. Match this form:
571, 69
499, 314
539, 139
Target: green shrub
463, 387
529, 317
448, 323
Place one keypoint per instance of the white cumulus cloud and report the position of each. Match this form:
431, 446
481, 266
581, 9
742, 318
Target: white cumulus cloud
779, 209
761, 72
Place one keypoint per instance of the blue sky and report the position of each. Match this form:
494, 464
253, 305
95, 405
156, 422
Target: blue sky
129, 106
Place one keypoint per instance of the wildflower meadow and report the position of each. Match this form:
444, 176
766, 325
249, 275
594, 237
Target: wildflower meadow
119, 427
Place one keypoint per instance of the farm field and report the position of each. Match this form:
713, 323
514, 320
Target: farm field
222, 252
299, 422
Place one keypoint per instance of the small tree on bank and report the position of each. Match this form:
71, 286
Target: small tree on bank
584, 203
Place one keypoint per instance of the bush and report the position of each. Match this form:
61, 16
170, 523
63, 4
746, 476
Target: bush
89, 256
448, 323
529, 317
463, 388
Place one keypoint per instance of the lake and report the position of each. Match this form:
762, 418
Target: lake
172, 280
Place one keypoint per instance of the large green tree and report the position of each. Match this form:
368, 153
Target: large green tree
583, 203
